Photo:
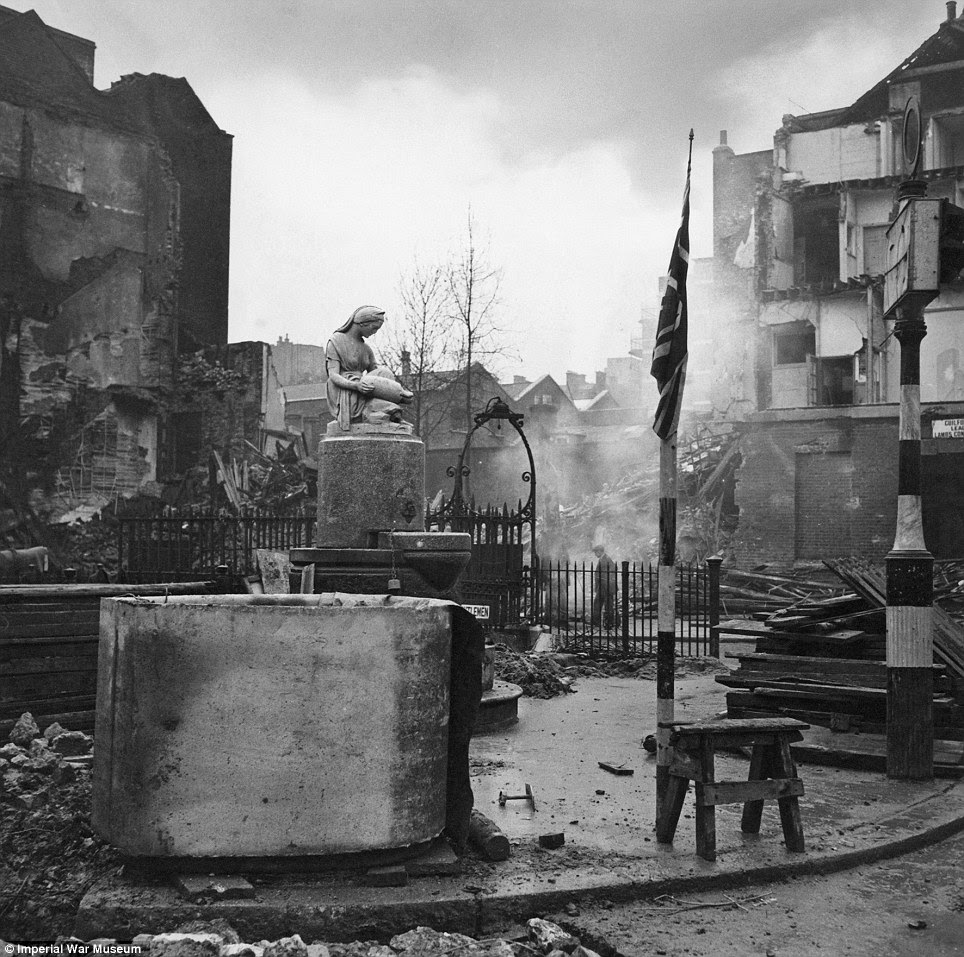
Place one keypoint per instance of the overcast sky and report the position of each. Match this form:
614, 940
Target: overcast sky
364, 130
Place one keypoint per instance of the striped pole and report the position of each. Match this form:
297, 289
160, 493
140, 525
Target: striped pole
910, 585
666, 617
669, 370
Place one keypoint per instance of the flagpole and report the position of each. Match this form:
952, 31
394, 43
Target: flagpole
666, 617
666, 569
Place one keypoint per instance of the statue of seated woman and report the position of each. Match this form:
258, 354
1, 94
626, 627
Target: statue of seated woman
360, 390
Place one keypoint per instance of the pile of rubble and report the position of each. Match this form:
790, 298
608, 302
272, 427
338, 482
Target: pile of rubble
538, 675
548, 675
49, 856
31, 764
542, 938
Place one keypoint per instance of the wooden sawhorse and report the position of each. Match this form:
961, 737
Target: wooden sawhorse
773, 776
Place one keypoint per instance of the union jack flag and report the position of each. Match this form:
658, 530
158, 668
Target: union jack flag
669, 353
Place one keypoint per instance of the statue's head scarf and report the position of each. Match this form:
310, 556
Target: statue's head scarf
360, 314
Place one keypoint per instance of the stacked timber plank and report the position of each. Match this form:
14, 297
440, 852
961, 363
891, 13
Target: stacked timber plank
48, 648
871, 584
757, 592
822, 660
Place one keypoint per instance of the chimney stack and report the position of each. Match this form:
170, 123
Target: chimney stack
723, 132
406, 362
951, 10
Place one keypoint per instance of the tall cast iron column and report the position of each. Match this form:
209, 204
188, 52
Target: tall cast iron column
910, 584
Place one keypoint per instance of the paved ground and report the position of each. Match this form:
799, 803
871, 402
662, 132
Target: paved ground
903, 907
610, 852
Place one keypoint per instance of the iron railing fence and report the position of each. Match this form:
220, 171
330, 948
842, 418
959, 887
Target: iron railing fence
497, 576
191, 547
612, 610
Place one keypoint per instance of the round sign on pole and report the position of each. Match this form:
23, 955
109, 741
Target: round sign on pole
911, 138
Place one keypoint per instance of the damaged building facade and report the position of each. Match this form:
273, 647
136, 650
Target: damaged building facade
114, 244
800, 249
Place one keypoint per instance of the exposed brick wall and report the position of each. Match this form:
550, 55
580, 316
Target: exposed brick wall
794, 507
824, 506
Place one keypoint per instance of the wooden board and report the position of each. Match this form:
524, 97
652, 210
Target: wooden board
871, 584
744, 705
43, 666
762, 629
50, 703
869, 752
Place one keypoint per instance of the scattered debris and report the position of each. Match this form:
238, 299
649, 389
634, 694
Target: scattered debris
617, 769
25, 730
201, 887
528, 796
822, 660
486, 836
743, 903
547, 675
49, 856
627, 507
549, 937
538, 675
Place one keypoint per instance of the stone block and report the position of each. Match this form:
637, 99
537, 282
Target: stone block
292, 946
548, 936
186, 945
393, 875
438, 861
220, 887
24, 730
72, 743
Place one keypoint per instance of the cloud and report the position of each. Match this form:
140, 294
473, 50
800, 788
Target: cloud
830, 66
341, 191
363, 131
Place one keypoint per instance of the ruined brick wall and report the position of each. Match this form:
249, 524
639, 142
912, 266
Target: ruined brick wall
92, 261
76, 313
736, 182
200, 156
821, 485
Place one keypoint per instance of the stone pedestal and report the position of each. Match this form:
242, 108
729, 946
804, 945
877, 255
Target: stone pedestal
370, 480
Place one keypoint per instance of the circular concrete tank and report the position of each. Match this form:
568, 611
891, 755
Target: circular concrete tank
281, 725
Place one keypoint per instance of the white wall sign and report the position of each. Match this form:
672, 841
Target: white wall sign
948, 429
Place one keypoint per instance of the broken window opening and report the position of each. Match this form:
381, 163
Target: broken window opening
817, 242
793, 342
833, 380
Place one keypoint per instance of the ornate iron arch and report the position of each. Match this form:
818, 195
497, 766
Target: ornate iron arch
496, 411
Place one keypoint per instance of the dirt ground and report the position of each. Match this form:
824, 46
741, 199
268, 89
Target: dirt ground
912, 906
49, 857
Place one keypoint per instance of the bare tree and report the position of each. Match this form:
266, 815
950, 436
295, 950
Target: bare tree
421, 345
473, 286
